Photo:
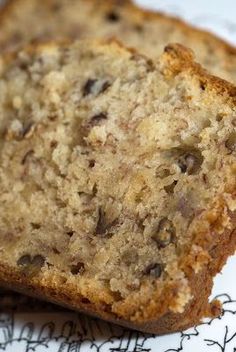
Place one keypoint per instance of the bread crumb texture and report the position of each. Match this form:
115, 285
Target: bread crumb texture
117, 175
32, 20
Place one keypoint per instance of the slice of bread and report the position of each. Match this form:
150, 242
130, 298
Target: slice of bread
24, 20
117, 181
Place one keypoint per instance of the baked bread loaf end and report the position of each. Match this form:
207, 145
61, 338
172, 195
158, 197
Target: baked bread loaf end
117, 181
147, 31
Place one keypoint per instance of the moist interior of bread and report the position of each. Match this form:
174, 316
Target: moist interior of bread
55, 19
106, 165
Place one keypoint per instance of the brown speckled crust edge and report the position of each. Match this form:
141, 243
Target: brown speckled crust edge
176, 59
198, 308
191, 31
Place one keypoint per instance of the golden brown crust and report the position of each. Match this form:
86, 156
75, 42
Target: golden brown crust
179, 59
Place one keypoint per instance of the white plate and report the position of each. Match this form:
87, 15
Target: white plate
70, 332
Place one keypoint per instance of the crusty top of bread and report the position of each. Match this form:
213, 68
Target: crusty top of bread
26, 20
117, 176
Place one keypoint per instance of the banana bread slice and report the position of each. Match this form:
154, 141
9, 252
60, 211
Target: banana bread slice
117, 181
24, 20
